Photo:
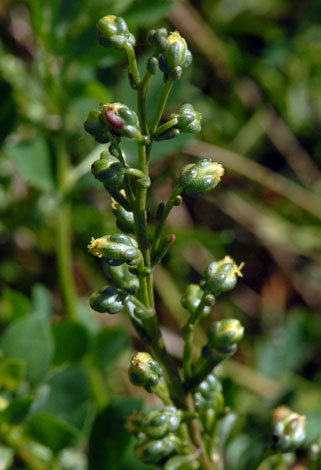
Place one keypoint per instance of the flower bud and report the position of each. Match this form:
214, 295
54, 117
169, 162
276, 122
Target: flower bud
209, 402
158, 38
152, 65
106, 300
108, 170
120, 120
124, 219
189, 120
175, 55
144, 371
155, 452
192, 298
182, 462
221, 276
199, 177
112, 31
115, 249
224, 335
288, 429
167, 135
134, 424
95, 127
123, 278
159, 423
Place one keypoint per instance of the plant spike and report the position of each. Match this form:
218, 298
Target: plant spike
180, 436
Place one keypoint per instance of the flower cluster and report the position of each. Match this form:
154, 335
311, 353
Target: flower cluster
184, 433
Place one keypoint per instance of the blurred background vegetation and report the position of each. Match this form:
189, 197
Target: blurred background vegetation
64, 391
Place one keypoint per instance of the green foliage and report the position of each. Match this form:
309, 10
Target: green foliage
71, 342
29, 339
34, 170
109, 429
12, 372
51, 432
255, 81
108, 344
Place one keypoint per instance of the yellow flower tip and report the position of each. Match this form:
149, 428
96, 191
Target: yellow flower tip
175, 37
111, 106
237, 270
219, 170
141, 359
95, 246
109, 18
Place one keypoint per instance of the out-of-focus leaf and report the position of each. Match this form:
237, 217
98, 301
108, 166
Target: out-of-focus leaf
14, 304
109, 442
86, 317
225, 427
286, 348
143, 12
69, 396
42, 303
33, 163
108, 345
51, 432
17, 411
71, 341
12, 372
29, 339
6, 457
237, 451
313, 424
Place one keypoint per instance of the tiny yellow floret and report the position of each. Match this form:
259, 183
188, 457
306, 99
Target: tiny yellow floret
95, 246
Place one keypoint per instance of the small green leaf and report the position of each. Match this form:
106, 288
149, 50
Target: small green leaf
12, 372
71, 340
108, 345
51, 432
33, 163
29, 339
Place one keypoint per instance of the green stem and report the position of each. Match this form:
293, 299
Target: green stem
63, 238
160, 224
161, 105
150, 323
140, 216
197, 439
127, 183
54, 464
161, 391
164, 127
188, 333
203, 367
133, 69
